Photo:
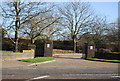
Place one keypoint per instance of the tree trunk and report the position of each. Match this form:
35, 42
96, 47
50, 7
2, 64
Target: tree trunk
16, 45
32, 41
16, 40
17, 25
74, 44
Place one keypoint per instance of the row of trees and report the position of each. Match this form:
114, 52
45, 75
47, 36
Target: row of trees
39, 19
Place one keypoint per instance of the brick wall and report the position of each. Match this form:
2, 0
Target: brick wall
16, 56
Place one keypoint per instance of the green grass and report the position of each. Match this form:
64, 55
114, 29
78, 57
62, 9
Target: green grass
1, 51
96, 59
38, 59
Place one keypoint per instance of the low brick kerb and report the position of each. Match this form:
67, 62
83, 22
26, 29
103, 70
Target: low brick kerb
16, 56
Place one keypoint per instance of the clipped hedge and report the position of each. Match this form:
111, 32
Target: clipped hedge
9, 46
23, 46
112, 55
57, 44
102, 50
65, 45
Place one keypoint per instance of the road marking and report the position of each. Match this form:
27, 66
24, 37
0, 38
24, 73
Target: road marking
41, 63
115, 76
38, 78
90, 74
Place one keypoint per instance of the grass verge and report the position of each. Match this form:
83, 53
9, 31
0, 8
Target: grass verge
1, 51
38, 59
106, 60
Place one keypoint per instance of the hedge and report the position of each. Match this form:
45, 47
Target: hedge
112, 55
23, 44
65, 45
9, 46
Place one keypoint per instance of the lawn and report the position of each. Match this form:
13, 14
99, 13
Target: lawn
1, 51
96, 59
38, 59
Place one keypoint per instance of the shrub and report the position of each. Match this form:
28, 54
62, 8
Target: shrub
7, 45
23, 46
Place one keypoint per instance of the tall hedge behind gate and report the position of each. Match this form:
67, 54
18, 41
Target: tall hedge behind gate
65, 45
23, 44
9, 46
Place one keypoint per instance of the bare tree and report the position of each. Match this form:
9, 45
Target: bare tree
51, 31
40, 25
113, 34
17, 13
99, 25
76, 18
98, 28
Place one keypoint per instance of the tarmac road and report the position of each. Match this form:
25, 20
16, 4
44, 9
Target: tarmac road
68, 66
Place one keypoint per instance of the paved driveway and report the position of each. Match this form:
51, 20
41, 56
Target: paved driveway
65, 66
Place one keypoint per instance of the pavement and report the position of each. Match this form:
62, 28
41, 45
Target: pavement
16, 63
13, 64
65, 66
